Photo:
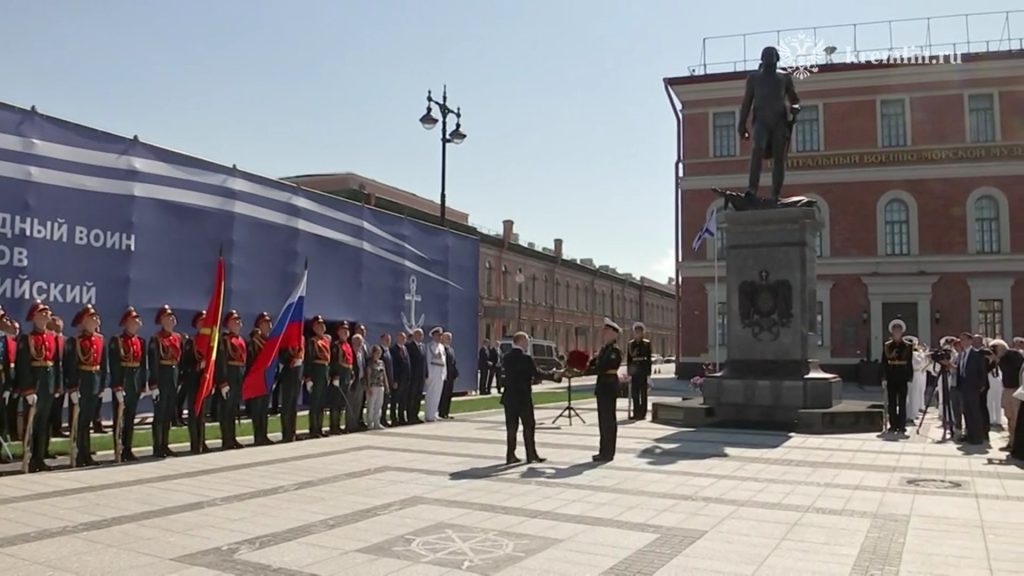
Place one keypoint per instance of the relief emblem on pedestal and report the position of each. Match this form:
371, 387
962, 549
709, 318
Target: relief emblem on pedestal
766, 306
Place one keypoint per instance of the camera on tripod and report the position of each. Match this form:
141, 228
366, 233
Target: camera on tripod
940, 355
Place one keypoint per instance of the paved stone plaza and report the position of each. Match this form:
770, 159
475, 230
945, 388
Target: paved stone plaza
432, 499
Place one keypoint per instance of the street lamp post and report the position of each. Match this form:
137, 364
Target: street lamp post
456, 136
520, 280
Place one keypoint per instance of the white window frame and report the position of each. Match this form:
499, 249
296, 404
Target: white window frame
826, 237
821, 129
712, 315
907, 118
1004, 219
711, 131
880, 221
824, 295
993, 288
995, 111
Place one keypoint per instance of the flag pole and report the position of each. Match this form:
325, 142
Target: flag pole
717, 337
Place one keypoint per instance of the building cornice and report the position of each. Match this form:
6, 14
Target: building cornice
888, 265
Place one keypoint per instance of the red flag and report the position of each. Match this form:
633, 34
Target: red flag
209, 335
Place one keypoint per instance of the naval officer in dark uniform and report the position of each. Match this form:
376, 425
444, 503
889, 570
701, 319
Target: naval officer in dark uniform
638, 362
517, 398
898, 369
607, 389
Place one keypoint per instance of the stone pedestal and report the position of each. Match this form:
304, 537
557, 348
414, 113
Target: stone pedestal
769, 376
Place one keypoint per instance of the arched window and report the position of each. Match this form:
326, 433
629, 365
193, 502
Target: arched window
986, 225
519, 285
558, 292
578, 300
504, 282
896, 224
533, 288
488, 280
897, 228
547, 290
567, 294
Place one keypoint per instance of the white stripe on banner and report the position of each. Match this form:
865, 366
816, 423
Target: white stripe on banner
200, 199
158, 168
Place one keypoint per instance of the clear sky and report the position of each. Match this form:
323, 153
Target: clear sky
570, 132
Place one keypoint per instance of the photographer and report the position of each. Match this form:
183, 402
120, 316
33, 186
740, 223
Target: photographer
1010, 363
944, 369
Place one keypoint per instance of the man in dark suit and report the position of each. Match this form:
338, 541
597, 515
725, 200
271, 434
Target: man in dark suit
451, 374
417, 375
517, 398
483, 365
402, 370
390, 388
972, 381
495, 357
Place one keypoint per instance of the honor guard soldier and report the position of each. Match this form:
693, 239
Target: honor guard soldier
85, 364
341, 376
56, 325
290, 380
898, 369
638, 362
607, 390
128, 369
259, 406
8, 391
37, 363
318, 359
164, 364
231, 362
193, 363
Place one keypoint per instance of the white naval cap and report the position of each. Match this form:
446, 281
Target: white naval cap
897, 322
436, 330
608, 322
1018, 339
997, 342
912, 340
639, 325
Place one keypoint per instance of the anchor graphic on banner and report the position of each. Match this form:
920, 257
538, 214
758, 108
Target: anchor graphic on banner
412, 297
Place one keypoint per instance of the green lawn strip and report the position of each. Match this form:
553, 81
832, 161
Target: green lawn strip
143, 432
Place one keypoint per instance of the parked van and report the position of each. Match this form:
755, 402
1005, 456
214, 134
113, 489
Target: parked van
550, 361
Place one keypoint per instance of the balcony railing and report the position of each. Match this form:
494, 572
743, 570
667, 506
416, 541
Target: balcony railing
946, 37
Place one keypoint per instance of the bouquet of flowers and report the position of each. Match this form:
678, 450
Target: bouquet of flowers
697, 383
576, 364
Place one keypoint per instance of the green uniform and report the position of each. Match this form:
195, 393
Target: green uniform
86, 370
231, 362
318, 359
37, 364
128, 375
165, 354
259, 406
192, 366
607, 391
341, 378
289, 380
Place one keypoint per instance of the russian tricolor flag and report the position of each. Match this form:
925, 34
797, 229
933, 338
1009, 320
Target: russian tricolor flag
286, 333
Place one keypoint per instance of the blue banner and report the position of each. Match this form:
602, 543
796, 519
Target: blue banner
91, 217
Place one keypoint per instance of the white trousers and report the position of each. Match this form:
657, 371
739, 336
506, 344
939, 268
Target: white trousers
374, 403
915, 394
432, 395
995, 400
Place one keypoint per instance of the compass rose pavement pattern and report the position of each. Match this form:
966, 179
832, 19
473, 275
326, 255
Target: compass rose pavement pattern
434, 500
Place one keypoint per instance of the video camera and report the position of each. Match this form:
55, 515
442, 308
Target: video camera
940, 355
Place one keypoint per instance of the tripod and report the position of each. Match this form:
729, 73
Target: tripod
946, 407
569, 411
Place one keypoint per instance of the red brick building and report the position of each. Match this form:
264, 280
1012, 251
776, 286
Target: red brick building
918, 170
